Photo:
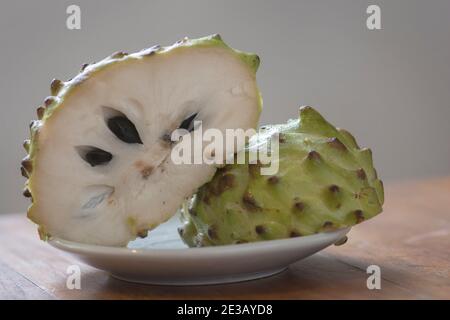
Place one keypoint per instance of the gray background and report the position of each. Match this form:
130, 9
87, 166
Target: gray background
391, 88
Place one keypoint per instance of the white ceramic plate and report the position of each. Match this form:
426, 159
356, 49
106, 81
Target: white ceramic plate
163, 259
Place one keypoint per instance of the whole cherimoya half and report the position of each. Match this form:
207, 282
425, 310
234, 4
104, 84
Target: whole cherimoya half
324, 182
99, 164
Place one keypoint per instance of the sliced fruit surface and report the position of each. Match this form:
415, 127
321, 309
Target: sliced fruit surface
99, 164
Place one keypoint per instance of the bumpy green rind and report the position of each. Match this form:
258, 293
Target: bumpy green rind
325, 182
60, 90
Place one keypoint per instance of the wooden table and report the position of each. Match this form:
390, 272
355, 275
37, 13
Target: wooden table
410, 242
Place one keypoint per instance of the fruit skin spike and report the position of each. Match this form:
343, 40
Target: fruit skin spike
324, 182
98, 166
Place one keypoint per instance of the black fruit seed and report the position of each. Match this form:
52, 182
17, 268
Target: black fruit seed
94, 156
124, 129
188, 123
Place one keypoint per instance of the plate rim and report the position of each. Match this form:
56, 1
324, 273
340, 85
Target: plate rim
78, 247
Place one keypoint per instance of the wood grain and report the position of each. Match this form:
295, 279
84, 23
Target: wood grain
410, 241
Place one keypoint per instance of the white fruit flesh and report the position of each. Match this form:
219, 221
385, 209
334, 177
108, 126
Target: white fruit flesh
112, 203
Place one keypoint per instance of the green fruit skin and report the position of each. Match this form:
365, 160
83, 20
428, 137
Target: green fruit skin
324, 182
